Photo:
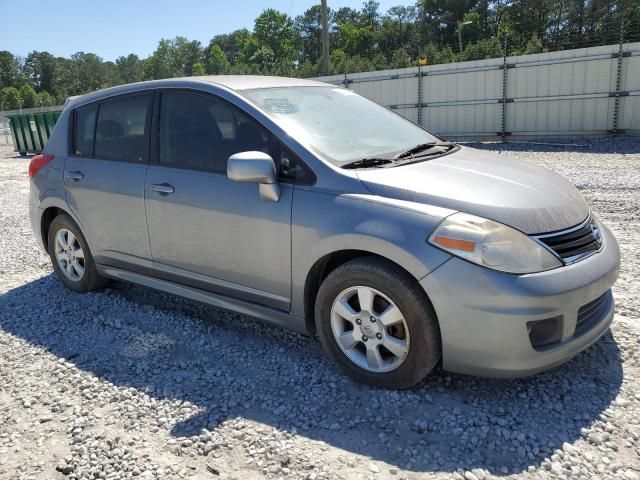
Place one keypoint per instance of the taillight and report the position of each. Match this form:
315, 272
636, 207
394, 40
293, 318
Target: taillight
38, 163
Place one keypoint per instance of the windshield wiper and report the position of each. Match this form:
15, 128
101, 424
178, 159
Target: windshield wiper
367, 162
421, 147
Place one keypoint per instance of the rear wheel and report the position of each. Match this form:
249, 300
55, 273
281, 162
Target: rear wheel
70, 255
377, 323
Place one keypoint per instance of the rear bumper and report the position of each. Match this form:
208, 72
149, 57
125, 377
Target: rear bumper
35, 213
484, 314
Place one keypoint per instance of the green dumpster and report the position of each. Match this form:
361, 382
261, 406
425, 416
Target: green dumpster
30, 131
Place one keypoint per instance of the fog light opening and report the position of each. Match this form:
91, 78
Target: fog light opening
545, 333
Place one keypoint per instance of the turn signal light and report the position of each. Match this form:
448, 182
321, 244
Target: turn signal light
455, 243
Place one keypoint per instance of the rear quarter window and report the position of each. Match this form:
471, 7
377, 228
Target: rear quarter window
84, 130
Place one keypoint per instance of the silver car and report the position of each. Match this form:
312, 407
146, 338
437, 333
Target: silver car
308, 206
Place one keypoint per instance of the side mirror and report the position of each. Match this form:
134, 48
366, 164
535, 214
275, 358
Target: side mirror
255, 167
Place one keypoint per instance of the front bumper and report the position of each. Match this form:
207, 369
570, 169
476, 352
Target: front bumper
484, 314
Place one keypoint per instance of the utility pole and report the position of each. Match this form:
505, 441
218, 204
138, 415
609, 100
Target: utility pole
325, 37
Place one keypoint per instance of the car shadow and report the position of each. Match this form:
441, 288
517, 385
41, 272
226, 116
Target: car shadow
157, 343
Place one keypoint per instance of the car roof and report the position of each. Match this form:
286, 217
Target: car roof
232, 82
247, 82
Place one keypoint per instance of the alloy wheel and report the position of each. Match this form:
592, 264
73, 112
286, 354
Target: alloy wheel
69, 255
370, 329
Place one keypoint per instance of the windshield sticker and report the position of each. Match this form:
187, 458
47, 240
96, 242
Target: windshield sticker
280, 105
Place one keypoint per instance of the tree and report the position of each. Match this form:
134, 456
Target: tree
40, 69
400, 59
534, 45
355, 39
173, 58
217, 63
238, 46
87, 73
308, 69
11, 98
275, 32
436, 55
130, 68
403, 16
9, 69
489, 48
370, 14
45, 99
309, 30
28, 96
198, 69
189, 53
264, 59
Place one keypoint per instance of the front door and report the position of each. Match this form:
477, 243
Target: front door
206, 230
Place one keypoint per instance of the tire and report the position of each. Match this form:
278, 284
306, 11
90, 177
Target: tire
89, 280
421, 347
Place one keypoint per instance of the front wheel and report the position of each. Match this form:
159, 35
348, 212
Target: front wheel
377, 323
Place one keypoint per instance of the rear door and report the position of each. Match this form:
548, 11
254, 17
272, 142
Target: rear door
206, 230
104, 177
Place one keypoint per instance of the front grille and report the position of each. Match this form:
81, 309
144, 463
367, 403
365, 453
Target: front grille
592, 312
575, 243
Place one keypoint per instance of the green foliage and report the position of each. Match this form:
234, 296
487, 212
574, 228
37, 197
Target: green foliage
264, 59
400, 59
130, 68
309, 28
87, 73
10, 74
28, 96
45, 99
165, 61
173, 58
275, 33
198, 69
40, 68
435, 54
360, 40
355, 39
534, 45
482, 49
217, 63
10, 98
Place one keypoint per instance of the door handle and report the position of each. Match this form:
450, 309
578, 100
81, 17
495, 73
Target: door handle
76, 176
162, 188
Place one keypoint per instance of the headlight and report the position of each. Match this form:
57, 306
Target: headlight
492, 244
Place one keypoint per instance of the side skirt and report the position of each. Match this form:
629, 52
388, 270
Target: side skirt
266, 314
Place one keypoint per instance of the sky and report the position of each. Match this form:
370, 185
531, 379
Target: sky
116, 27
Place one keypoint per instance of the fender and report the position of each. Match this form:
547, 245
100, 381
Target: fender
58, 202
324, 224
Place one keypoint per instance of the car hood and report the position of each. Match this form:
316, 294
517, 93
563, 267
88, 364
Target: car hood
519, 194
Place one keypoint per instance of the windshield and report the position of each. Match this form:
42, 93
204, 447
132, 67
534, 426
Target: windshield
340, 124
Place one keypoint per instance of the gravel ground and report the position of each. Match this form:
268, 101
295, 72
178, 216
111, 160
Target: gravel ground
131, 383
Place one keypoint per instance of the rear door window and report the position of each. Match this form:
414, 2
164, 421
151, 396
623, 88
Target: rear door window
122, 130
84, 130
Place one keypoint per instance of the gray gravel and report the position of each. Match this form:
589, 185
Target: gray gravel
131, 383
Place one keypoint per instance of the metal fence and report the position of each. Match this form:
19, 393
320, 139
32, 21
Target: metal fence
5, 132
585, 91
